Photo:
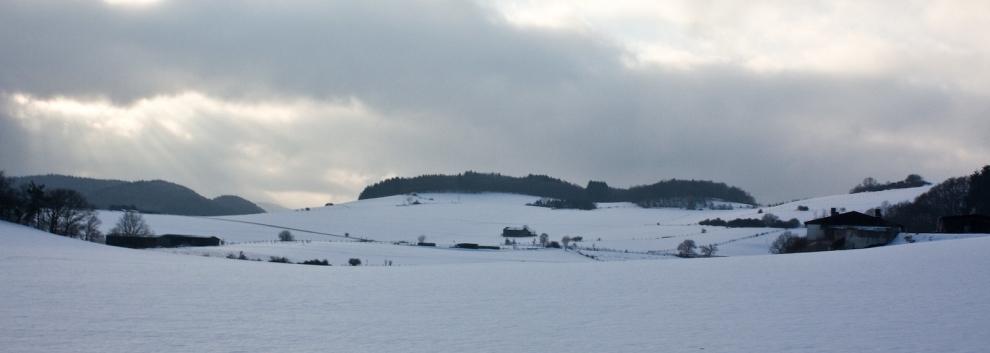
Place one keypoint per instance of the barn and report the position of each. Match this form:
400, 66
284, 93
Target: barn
523, 231
852, 230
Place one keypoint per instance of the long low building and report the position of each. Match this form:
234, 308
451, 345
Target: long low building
523, 231
164, 241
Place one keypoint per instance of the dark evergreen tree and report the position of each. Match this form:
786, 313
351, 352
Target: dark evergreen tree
10, 200
978, 197
598, 191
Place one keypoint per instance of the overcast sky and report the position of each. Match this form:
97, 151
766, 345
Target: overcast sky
307, 102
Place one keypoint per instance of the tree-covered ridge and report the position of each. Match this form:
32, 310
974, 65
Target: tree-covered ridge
870, 184
155, 196
473, 182
687, 189
545, 186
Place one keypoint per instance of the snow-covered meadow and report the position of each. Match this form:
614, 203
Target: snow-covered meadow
616, 231
59, 294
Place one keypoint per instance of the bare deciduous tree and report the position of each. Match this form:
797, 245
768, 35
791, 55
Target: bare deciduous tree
131, 224
285, 235
708, 250
92, 232
64, 213
686, 248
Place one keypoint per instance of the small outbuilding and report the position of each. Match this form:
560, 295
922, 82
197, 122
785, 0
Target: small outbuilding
523, 231
972, 223
852, 230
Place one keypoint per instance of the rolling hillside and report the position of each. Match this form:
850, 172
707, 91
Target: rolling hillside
61, 294
615, 231
156, 196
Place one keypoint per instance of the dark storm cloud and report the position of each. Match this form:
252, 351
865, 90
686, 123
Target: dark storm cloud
444, 87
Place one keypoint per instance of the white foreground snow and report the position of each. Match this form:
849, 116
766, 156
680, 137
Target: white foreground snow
64, 295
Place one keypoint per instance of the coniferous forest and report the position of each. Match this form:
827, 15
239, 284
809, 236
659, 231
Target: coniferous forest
661, 193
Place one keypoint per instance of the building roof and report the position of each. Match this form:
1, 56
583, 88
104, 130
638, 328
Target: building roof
186, 236
853, 219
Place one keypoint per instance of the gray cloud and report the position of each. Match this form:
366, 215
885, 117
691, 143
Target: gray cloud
438, 87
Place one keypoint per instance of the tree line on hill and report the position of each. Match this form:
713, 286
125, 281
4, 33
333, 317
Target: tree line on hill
869, 184
769, 220
666, 193
60, 211
955, 196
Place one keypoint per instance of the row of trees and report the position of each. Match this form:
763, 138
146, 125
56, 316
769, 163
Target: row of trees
768, 220
564, 204
869, 184
547, 187
61, 211
688, 246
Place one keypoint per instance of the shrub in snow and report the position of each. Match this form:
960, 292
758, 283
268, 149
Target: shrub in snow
280, 260
354, 261
316, 262
708, 250
237, 257
286, 235
788, 243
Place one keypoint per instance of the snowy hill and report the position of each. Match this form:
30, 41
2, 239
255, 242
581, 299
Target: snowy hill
615, 231
60, 294
156, 196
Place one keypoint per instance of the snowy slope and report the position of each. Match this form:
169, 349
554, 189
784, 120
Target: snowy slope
615, 231
60, 294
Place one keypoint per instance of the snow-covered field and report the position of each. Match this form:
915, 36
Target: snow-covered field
59, 294
617, 231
